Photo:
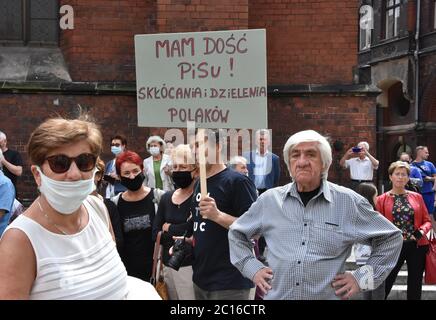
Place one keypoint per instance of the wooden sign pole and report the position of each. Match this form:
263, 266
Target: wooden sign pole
202, 163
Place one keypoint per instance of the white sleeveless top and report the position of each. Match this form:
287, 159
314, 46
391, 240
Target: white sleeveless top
85, 265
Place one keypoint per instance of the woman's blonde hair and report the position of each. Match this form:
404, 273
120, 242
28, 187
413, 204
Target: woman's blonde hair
58, 132
399, 164
99, 165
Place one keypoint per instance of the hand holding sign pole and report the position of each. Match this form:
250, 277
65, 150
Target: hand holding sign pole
202, 164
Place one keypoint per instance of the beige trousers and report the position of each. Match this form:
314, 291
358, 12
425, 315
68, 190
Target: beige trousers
179, 283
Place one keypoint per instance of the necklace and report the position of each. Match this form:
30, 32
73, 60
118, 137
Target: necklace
54, 224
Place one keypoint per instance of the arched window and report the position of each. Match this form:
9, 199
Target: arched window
397, 101
29, 22
403, 148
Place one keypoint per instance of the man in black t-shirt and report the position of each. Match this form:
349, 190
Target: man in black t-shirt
10, 161
230, 194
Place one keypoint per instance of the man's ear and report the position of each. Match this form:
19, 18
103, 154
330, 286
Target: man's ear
36, 175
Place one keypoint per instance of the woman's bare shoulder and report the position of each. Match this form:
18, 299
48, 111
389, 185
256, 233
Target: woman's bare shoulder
17, 265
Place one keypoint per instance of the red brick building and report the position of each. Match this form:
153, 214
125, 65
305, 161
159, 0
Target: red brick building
399, 56
312, 53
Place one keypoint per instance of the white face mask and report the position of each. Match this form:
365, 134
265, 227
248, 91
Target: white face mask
154, 151
65, 196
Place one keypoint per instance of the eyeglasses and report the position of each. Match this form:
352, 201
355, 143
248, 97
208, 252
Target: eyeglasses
115, 144
60, 163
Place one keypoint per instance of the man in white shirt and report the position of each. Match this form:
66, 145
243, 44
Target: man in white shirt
361, 163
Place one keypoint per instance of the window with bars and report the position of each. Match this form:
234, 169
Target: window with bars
29, 22
392, 18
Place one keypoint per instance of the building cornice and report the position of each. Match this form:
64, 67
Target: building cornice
129, 88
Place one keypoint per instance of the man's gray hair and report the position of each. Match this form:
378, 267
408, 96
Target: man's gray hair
365, 144
2, 135
237, 160
262, 132
310, 136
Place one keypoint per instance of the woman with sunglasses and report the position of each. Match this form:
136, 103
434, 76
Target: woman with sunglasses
407, 211
61, 247
136, 208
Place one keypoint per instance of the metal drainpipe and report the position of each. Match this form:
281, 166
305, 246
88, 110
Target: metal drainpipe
416, 56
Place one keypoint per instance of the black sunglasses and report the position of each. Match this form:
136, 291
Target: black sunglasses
60, 163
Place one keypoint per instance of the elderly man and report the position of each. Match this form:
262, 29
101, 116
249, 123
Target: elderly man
310, 226
10, 160
239, 164
7, 195
361, 163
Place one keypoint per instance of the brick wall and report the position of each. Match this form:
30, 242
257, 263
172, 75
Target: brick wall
308, 41
345, 118
115, 115
427, 19
312, 41
101, 45
349, 119
204, 15
427, 88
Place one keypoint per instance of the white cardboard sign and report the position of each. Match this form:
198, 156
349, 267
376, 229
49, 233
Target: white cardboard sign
216, 79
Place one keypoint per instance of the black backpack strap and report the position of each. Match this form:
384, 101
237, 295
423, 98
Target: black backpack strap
419, 167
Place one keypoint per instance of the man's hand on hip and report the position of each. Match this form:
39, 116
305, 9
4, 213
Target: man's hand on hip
345, 285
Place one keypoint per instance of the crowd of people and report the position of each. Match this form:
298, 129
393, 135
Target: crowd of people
91, 232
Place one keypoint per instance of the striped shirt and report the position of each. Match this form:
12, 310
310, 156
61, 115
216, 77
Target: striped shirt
85, 265
308, 246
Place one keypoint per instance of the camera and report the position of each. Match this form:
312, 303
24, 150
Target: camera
356, 149
179, 253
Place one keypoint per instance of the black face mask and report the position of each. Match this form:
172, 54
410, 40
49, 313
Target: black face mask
133, 184
182, 179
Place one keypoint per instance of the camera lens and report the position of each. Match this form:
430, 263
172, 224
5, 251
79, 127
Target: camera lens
179, 252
